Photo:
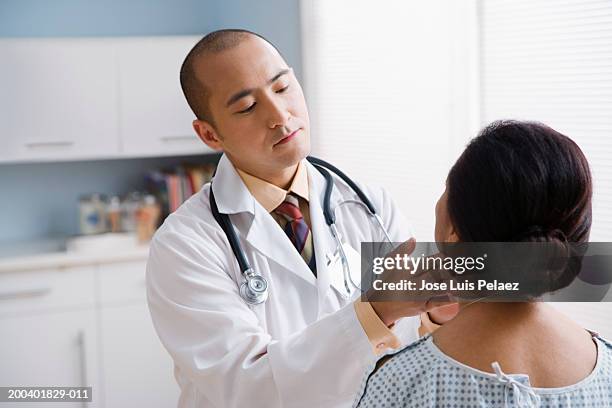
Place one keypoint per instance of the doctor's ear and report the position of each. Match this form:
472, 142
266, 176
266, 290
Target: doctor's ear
207, 133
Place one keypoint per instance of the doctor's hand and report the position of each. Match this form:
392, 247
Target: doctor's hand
391, 311
394, 305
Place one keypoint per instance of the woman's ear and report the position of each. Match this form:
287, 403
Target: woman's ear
207, 133
452, 237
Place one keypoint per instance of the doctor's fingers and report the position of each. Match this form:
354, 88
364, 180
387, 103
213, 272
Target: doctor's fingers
391, 311
407, 247
444, 313
441, 302
392, 272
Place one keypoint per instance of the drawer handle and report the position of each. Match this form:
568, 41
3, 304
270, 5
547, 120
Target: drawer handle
58, 143
81, 341
177, 138
27, 293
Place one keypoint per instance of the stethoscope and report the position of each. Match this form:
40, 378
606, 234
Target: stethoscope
254, 289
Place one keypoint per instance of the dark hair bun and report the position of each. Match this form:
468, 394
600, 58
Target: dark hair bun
524, 182
536, 233
554, 265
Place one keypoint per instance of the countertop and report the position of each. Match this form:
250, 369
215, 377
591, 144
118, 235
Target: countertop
33, 256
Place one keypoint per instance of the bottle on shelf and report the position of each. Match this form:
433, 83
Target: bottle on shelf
92, 214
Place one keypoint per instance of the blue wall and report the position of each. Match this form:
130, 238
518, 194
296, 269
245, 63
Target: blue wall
277, 20
39, 201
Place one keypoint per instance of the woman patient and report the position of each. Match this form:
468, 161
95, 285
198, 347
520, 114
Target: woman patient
516, 181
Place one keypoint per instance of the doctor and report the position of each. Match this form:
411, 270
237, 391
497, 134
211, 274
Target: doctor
310, 342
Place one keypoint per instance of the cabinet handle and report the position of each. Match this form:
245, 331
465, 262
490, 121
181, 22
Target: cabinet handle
82, 360
27, 293
58, 143
177, 138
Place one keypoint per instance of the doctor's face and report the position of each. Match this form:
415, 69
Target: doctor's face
257, 106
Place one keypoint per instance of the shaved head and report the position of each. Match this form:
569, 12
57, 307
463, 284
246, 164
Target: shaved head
194, 88
248, 104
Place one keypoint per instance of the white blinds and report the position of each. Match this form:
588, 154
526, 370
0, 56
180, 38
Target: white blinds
551, 60
396, 88
391, 93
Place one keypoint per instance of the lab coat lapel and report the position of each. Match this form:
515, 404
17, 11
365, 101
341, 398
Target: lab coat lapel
259, 229
268, 237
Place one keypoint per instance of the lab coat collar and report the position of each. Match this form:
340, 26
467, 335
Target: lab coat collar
268, 237
263, 233
259, 229
231, 194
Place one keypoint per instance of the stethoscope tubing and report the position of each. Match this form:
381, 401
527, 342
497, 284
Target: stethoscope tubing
254, 289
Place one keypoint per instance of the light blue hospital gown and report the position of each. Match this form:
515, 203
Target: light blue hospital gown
420, 375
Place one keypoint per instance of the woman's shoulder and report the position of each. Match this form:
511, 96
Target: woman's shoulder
408, 357
397, 373
421, 375
607, 343
605, 351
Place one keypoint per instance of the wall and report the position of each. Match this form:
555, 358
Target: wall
277, 20
39, 201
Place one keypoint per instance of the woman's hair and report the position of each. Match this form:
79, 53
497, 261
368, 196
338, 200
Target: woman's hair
521, 181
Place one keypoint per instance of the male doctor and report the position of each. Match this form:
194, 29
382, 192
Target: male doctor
310, 343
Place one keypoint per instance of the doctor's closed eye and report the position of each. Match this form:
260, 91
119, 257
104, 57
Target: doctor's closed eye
281, 89
279, 83
248, 109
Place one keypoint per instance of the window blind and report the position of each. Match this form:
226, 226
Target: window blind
551, 61
390, 89
396, 89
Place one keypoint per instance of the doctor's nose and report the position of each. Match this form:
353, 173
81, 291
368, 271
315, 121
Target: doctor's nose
278, 114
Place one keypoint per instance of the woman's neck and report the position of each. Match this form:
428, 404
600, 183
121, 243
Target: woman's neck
501, 320
531, 338
509, 310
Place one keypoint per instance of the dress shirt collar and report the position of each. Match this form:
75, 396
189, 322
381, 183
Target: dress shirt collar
271, 196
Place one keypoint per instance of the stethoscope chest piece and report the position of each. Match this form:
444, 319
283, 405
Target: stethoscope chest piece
254, 290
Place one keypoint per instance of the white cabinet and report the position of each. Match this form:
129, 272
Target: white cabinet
46, 290
138, 371
94, 98
48, 331
58, 99
84, 326
155, 117
55, 350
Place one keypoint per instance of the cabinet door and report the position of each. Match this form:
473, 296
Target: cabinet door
138, 371
58, 99
155, 119
46, 290
50, 349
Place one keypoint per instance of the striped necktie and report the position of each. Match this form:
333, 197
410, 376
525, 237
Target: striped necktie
297, 230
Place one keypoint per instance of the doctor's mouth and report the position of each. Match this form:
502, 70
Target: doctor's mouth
288, 138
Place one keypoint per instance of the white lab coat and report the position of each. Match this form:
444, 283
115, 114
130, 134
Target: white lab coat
304, 347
